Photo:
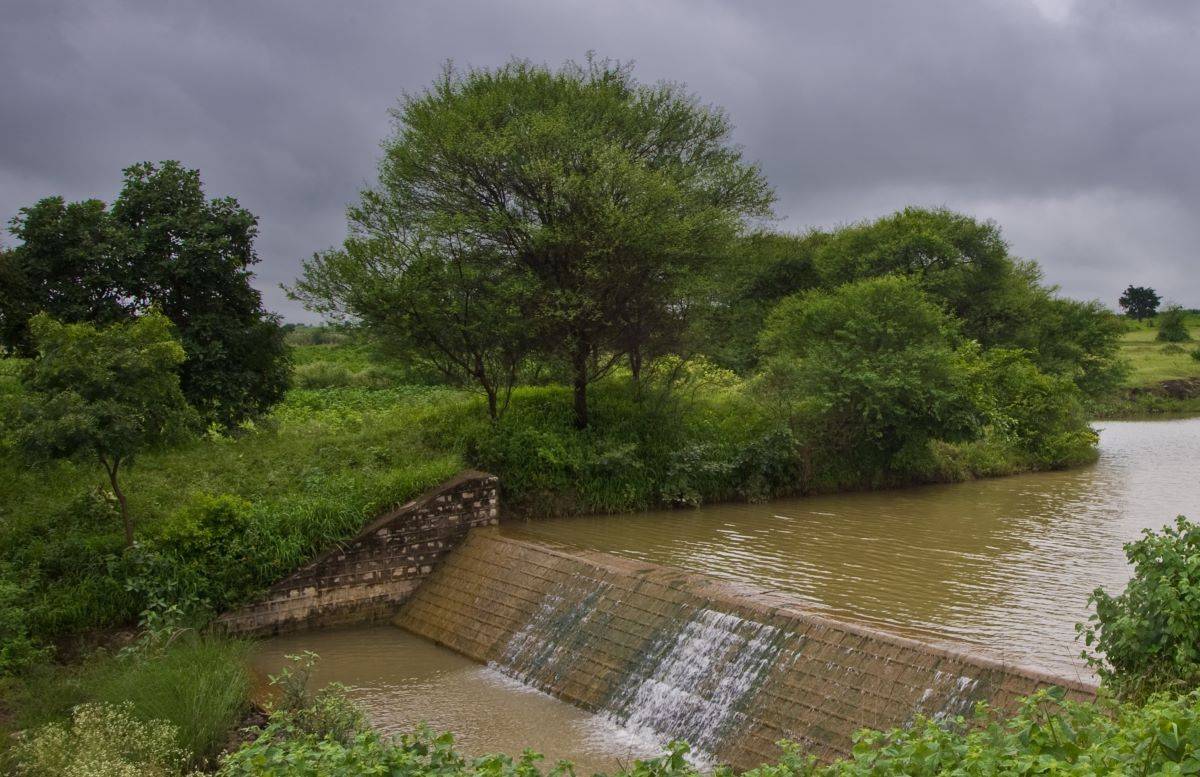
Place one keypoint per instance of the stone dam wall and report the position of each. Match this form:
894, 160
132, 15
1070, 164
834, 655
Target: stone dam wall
729, 668
369, 576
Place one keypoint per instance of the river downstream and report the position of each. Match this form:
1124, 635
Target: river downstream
1005, 565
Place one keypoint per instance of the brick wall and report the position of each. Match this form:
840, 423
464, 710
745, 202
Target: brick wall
730, 666
369, 576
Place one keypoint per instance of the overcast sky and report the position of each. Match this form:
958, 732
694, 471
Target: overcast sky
1074, 125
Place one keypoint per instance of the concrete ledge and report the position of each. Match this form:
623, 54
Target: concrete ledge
369, 576
729, 667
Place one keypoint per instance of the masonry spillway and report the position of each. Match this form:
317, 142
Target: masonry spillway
729, 668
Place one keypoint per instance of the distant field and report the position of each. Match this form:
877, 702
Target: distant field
1151, 363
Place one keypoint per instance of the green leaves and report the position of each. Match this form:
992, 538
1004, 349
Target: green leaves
873, 367
161, 245
523, 212
108, 393
1147, 638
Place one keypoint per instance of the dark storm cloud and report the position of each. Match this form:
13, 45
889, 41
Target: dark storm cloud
1073, 124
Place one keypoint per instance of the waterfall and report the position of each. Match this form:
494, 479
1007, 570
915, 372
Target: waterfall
692, 687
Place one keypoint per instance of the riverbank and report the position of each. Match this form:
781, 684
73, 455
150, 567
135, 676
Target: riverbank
1163, 379
227, 515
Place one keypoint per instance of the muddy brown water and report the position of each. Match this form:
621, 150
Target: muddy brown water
1005, 565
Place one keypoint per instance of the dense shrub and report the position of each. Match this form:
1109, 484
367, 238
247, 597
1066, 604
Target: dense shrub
101, 740
1040, 415
1047, 736
871, 372
1172, 325
1147, 638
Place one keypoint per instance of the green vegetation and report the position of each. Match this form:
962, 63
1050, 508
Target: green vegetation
1172, 325
217, 517
101, 740
1161, 378
1139, 302
1147, 638
196, 687
161, 245
108, 394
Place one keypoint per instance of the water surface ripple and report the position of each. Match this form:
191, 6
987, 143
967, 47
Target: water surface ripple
1004, 564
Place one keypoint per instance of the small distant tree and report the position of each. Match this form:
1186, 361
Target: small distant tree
1139, 302
108, 393
1172, 325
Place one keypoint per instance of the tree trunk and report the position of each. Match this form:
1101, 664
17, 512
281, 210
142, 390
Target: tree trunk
635, 369
580, 365
493, 411
116, 487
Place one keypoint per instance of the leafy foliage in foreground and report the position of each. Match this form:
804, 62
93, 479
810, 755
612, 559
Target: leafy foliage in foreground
1047, 736
1147, 638
102, 740
198, 685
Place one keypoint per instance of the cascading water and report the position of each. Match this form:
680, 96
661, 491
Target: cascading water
689, 684
693, 686
662, 654
540, 653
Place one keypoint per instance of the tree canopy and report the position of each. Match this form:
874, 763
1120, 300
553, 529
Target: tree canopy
1139, 302
162, 244
876, 366
583, 201
107, 392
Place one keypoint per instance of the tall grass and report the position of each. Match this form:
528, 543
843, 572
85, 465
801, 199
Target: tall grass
199, 684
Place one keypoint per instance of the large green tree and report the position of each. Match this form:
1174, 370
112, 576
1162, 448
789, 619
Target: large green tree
108, 393
161, 244
965, 265
588, 200
191, 257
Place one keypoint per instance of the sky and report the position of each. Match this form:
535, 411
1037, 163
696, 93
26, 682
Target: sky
1075, 125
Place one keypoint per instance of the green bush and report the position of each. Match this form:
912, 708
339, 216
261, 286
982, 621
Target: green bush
1042, 416
199, 685
1172, 325
1147, 638
101, 740
872, 372
1196, 354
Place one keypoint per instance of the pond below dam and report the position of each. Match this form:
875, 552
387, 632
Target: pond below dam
1005, 565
